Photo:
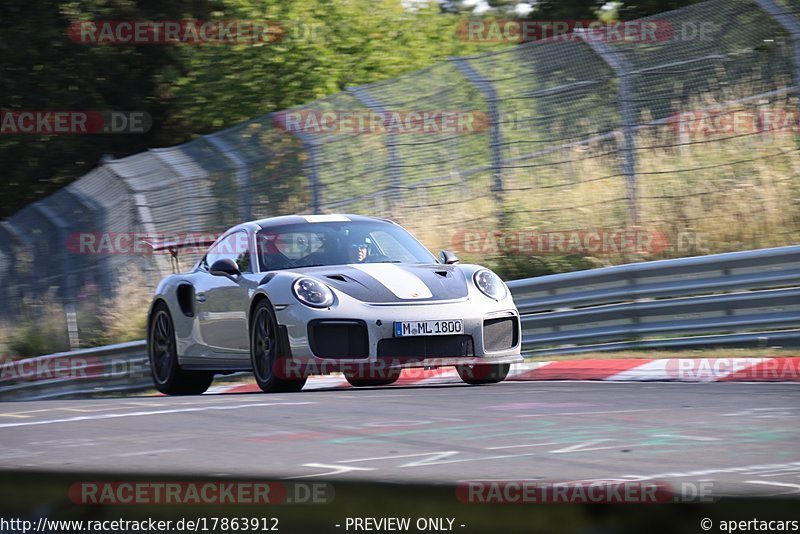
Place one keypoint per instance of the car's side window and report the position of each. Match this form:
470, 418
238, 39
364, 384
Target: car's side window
235, 247
243, 261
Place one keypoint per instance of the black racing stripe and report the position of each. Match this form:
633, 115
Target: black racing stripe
445, 282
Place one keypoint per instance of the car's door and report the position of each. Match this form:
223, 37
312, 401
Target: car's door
222, 300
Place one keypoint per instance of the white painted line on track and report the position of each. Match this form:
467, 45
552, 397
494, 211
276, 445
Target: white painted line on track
145, 453
155, 412
747, 469
795, 487
684, 436
627, 446
781, 472
521, 446
334, 470
441, 454
751, 412
477, 459
578, 447
552, 414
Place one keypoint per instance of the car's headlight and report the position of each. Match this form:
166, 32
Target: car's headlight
312, 293
490, 284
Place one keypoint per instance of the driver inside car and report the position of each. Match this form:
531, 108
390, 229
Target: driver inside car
359, 251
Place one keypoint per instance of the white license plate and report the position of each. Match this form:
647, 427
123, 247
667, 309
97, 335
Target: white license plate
427, 328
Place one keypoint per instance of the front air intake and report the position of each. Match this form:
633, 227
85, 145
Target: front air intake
338, 339
420, 347
501, 333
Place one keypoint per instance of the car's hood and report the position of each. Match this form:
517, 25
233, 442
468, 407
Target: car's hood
390, 282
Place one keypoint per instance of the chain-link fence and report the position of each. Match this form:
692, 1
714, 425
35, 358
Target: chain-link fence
687, 128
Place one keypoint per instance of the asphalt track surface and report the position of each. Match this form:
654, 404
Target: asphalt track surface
736, 438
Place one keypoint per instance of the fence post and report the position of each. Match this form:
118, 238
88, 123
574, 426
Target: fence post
628, 115
97, 211
7, 244
242, 172
496, 143
311, 168
393, 161
141, 216
66, 270
21, 243
789, 23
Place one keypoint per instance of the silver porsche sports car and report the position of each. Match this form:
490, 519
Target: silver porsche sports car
288, 297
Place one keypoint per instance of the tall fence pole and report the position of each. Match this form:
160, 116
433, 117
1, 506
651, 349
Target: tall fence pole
311, 169
496, 143
393, 161
242, 172
67, 275
789, 23
11, 292
90, 205
23, 267
621, 69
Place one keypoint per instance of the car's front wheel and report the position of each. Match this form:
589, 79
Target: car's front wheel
162, 351
265, 353
483, 373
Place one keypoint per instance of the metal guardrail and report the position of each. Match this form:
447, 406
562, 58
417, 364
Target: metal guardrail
737, 299
746, 298
121, 367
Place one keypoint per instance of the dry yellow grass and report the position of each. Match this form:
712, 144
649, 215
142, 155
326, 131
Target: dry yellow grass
101, 320
41, 330
119, 319
705, 192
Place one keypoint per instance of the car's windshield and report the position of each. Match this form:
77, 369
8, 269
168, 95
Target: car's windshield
337, 243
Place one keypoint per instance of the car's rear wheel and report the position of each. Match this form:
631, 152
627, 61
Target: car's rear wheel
265, 353
372, 377
483, 373
162, 351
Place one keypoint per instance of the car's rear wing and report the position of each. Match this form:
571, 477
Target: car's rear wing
173, 247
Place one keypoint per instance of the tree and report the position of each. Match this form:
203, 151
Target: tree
189, 89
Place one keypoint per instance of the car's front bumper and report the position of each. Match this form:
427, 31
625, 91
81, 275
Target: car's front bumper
382, 349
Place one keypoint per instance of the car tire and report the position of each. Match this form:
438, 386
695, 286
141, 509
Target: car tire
483, 373
265, 352
367, 379
162, 352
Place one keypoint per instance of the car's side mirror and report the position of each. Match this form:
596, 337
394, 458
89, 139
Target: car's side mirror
447, 257
225, 267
